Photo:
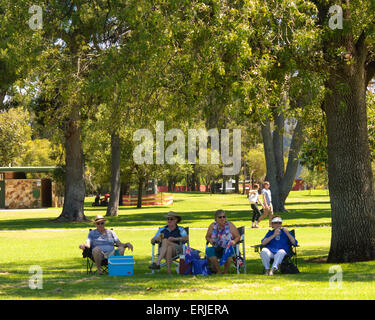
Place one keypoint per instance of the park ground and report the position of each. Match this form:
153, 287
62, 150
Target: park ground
31, 238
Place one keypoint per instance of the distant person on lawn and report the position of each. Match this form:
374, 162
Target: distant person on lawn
220, 234
267, 203
253, 197
102, 242
276, 245
171, 238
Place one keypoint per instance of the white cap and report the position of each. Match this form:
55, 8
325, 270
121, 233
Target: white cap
277, 219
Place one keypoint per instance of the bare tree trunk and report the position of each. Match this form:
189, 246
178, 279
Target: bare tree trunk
349, 163
112, 209
349, 172
141, 182
74, 180
281, 180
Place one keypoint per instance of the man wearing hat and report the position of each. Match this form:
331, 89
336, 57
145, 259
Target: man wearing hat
276, 245
102, 242
171, 237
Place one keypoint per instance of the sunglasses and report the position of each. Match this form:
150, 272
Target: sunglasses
222, 217
100, 223
171, 219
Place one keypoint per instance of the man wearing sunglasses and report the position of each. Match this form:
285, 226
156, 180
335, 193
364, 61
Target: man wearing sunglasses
102, 242
171, 238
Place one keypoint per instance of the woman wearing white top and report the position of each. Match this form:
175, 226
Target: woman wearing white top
254, 200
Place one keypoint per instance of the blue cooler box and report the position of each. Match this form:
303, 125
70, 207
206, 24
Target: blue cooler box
121, 265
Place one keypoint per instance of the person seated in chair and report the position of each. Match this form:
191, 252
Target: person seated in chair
276, 245
219, 234
102, 242
97, 200
171, 238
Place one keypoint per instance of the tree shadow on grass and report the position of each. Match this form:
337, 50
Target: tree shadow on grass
151, 218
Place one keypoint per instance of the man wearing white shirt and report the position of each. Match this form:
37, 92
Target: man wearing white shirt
267, 203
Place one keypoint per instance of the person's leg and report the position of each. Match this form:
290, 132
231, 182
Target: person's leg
163, 250
266, 256
256, 215
215, 263
98, 256
270, 215
171, 252
279, 256
227, 265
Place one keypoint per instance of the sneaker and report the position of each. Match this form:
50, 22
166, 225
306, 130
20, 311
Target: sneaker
154, 266
267, 272
272, 271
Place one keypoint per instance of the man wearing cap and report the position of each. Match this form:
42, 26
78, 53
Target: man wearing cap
171, 237
276, 245
102, 242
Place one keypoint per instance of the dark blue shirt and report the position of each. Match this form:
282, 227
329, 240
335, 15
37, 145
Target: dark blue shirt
280, 242
176, 233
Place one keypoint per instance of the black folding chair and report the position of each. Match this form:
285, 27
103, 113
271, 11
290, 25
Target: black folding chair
239, 260
176, 259
87, 253
290, 259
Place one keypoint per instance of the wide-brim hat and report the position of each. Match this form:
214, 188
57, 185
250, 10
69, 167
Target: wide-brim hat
173, 214
99, 218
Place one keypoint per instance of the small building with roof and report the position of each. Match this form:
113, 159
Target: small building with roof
17, 191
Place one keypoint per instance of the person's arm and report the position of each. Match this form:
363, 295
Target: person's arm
291, 238
266, 240
156, 237
264, 200
235, 234
87, 244
209, 233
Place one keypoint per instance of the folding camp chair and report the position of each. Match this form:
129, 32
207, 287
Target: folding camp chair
239, 260
87, 253
176, 259
290, 257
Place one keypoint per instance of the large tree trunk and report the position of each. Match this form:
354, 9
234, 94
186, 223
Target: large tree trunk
349, 169
74, 180
349, 163
281, 180
112, 209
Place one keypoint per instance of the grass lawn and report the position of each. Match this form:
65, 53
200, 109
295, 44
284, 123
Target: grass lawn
30, 238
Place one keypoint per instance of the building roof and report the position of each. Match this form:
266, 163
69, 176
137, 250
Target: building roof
27, 169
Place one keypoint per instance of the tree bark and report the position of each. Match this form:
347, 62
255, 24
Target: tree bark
281, 180
349, 169
74, 180
112, 209
141, 182
349, 163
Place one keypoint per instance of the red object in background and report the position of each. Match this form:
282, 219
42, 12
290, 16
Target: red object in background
299, 185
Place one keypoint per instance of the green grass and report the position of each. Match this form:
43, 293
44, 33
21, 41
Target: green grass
30, 238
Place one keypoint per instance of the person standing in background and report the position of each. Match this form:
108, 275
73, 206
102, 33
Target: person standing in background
267, 203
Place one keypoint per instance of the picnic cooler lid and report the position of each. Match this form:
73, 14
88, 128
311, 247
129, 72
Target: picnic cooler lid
121, 260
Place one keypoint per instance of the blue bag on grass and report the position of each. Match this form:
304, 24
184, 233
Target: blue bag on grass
200, 266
